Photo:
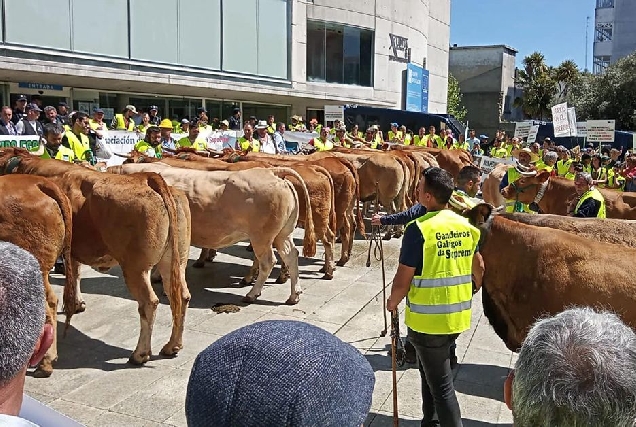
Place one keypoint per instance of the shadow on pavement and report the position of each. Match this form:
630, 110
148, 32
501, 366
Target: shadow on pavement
383, 420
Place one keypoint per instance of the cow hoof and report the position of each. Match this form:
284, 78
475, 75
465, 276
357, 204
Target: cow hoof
248, 299
244, 282
43, 371
80, 308
339, 240
198, 264
138, 360
282, 279
327, 276
341, 262
293, 300
170, 350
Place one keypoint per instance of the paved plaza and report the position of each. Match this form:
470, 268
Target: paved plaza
93, 384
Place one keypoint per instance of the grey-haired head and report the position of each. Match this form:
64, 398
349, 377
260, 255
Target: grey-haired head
279, 373
577, 368
21, 309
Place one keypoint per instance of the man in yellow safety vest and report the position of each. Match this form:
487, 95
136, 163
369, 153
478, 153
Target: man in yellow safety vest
151, 144
53, 148
591, 203
125, 120
77, 138
322, 143
434, 274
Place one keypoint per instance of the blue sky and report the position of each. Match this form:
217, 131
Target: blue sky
555, 28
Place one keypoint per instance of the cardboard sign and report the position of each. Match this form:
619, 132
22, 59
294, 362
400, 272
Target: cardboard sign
560, 120
601, 130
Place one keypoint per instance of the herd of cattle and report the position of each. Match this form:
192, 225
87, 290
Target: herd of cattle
147, 213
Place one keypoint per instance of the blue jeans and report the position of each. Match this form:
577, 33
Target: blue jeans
438, 393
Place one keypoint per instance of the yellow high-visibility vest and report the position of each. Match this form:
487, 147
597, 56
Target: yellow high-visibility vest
440, 298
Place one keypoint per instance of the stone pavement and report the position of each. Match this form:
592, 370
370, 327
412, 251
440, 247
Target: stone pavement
93, 384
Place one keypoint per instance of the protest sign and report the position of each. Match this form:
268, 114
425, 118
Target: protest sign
28, 142
532, 135
522, 129
601, 130
560, 120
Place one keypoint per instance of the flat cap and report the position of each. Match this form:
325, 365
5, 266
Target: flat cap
279, 373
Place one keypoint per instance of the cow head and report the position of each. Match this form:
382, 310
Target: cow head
10, 159
479, 214
526, 188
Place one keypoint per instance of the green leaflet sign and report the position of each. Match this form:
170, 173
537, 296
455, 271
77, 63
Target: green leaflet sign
29, 142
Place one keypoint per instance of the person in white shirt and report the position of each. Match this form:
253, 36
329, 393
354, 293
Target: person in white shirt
30, 125
472, 139
24, 337
265, 139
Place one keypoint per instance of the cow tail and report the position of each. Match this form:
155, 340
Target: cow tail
332, 214
156, 182
309, 241
359, 222
403, 195
70, 284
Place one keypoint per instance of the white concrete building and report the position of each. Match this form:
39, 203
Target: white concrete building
281, 57
614, 32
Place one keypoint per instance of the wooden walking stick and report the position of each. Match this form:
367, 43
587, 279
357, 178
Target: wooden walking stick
397, 358
378, 253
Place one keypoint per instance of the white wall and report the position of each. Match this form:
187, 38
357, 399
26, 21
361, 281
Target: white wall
405, 18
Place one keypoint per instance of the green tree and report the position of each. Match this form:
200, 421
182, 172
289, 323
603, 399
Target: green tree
455, 97
611, 95
566, 76
539, 87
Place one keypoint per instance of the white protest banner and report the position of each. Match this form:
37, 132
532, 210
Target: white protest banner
487, 164
634, 144
28, 142
300, 137
572, 121
121, 142
560, 120
601, 130
522, 129
581, 129
532, 135
218, 140
333, 113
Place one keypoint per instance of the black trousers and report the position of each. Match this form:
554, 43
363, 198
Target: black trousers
438, 393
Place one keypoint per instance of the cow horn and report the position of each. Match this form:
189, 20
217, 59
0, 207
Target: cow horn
125, 156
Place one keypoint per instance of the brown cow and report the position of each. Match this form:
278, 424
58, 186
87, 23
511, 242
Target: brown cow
106, 211
347, 193
315, 179
36, 215
452, 161
253, 204
554, 195
381, 175
535, 271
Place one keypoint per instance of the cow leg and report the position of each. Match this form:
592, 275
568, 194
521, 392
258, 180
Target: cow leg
284, 273
155, 276
200, 263
346, 234
252, 273
80, 305
289, 255
138, 284
175, 344
266, 260
327, 242
211, 255
389, 229
45, 367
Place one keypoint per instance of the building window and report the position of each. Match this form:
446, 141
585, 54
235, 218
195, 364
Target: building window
604, 32
600, 64
338, 53
602, 4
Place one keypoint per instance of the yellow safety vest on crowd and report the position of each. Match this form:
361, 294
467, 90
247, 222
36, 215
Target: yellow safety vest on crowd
588, 168
79, 146
323, 146
613, 178
147, 149
435, 141
569, 175
407, 139
439, 300
360, 135
419, 142
120, 123
205, 128
596, 195
63, 153
271, 129
462, 146
397, 135
94, 125
345, 143
246, 144
563, 166
200, 144
500, 153
513, 205
544, 167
